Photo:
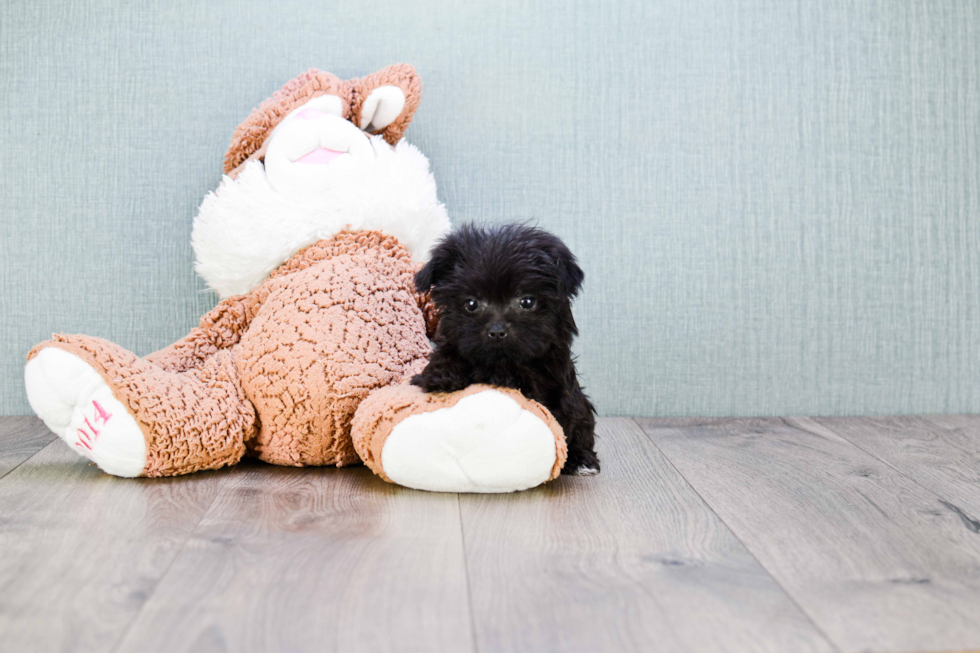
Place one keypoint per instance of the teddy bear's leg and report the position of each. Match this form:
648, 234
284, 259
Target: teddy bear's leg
133, 418
481, 439
76, 403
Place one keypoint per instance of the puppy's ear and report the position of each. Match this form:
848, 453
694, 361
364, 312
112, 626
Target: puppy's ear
441, 263
570, 275
573, 276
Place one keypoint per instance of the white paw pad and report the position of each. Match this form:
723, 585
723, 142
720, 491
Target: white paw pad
485, 443
74, 401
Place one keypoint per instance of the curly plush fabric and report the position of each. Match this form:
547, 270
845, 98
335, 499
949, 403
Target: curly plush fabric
197, 419
250, 136
338, 320
277, 373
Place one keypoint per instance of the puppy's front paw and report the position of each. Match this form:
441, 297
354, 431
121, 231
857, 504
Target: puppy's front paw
435, 382
583, 463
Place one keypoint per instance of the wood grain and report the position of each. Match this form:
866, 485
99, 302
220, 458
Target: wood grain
82, 551
630, 560
858, 529
314, 559
941, 453
872, 556
20, 438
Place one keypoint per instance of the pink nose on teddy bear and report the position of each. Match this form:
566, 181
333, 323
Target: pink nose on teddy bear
323, 155
310, 113
320, 156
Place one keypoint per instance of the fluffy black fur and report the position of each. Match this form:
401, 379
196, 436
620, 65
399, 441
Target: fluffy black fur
503, 296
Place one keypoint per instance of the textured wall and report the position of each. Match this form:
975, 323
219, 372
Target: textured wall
777, 203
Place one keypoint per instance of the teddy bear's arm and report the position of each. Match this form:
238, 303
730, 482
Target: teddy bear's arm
220, 328
429, 312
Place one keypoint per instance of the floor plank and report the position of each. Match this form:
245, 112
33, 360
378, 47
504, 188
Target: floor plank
872, 556
630, 560
81, 550
945, 460
314, 560
967, 423
869, 524
20, 438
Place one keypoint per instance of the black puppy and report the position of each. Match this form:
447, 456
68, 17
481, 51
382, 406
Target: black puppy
503, 297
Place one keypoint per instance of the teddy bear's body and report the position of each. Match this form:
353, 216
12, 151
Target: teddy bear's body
320, 239
277, 373
337, 321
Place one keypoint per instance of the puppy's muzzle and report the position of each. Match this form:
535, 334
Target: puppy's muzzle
497, 331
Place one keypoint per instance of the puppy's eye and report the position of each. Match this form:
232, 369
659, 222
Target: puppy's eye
471, 305
527, 303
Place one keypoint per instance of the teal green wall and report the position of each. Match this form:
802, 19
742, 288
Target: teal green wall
777, 203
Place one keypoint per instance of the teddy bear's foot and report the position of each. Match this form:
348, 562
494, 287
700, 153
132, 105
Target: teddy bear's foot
75, 402
481, 439
485, 443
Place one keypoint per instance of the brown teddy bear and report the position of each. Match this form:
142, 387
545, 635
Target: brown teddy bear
312, 240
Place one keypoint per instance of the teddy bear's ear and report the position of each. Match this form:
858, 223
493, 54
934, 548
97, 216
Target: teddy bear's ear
384, 102
249, 137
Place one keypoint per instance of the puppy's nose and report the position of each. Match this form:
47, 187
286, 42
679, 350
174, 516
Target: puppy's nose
497, 331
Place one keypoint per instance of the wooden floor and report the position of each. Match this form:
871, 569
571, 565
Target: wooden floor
788, 535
